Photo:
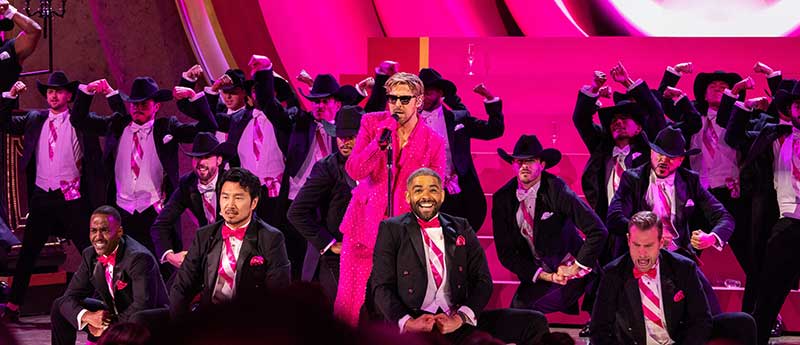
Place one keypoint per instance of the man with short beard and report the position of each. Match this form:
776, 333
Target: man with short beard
430, 273
654, 296
238, 257
674, 194
771, 179
197, 192
535, 218
63, 165
319, 207
121, 271
141, 155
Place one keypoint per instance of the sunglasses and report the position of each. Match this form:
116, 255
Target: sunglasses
403, 99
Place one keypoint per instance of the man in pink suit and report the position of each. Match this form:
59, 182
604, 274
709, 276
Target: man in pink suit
413, 147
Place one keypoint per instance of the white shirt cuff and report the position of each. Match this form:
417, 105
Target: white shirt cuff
112, 93
8, 95
362, 91
197, 96
587, 90
585, 268
635, 84
536, 275
164, 256
185, 75
10, 12
740, 105
81, 325
402, 323
209, 91
84, 89
493, 100
470, 315
672, 70
333, 241
774, 74
718, 245
730, 94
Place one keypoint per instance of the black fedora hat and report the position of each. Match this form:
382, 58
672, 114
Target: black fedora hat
671, 143
283, 91
529, 147
433, 79
145, 88
625, 107
348, 95
238, 80
325, 85
788, 92
702, 81
57, 80
348, 121
206, 144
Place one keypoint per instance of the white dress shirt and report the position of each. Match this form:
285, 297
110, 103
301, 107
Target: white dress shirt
137, 194
222, 291
271, 162
314, 154
787, 186
717, 169
65, 165
618, 154
655, 334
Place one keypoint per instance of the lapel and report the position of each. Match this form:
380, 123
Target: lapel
449, 120
644, 184
541, 204
453, 258
249, 246
160, 130
212, 258
680, 199
196, 200
32, 140
667, 293
635, 301
340, 166
413, 230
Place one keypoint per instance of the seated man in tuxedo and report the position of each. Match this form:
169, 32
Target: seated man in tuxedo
197, 192
238, 257
535, 218
118, 269
654, 296
430, 273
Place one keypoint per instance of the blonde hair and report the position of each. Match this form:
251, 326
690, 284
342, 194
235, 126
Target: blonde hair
402, 78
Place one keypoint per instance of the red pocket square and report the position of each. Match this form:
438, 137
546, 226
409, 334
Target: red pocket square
256, 261
678, 296
121, 284
460, 241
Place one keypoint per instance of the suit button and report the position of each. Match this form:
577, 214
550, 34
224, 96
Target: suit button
405, 273
410, 291
459, 286
461, 268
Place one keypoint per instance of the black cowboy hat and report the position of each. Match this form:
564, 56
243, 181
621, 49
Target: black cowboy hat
58, 80
671, 143
624, 96
431, 79
788, 92
238, 81
529, 147
702, 81
206, 144
348, 121
325, 85
348, 95
625, 107
283, 91
145, 88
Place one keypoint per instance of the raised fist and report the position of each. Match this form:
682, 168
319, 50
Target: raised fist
760, 103
180, 92
388, 67
672, 93
258, 63
194, 72
684, 67
305, 78
18, 88
762, 68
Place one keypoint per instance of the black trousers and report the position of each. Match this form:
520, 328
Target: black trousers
62, 330
295, 242
546, 297
49, 214
523, 327
137, 225
778, 275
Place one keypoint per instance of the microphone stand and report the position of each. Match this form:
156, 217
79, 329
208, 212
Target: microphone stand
389, 164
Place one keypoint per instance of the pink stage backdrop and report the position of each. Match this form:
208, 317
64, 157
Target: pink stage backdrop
538, 80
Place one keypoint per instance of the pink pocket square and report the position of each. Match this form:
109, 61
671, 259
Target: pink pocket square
460, 241
678, 296
121, 284
256, 261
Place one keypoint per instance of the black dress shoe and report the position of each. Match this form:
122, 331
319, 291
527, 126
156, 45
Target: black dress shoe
9, 316
777, 329
584, 333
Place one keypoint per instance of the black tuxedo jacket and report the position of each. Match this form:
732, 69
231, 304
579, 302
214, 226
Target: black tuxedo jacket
559, 214
166, 235
136, 281
198, 274
30, 127
618, 317
631, 198
168, 133
319, 207
399, 277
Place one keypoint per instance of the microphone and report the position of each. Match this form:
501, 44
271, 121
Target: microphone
386, 134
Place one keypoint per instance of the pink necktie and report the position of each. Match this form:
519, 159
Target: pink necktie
227, 233
51, 139
210, 210
618, 171
651, 312
710, 138
528, 219
666, 219
258, 135
321, 142
136, 154
437, 255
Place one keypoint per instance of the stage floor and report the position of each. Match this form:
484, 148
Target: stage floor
35, 330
